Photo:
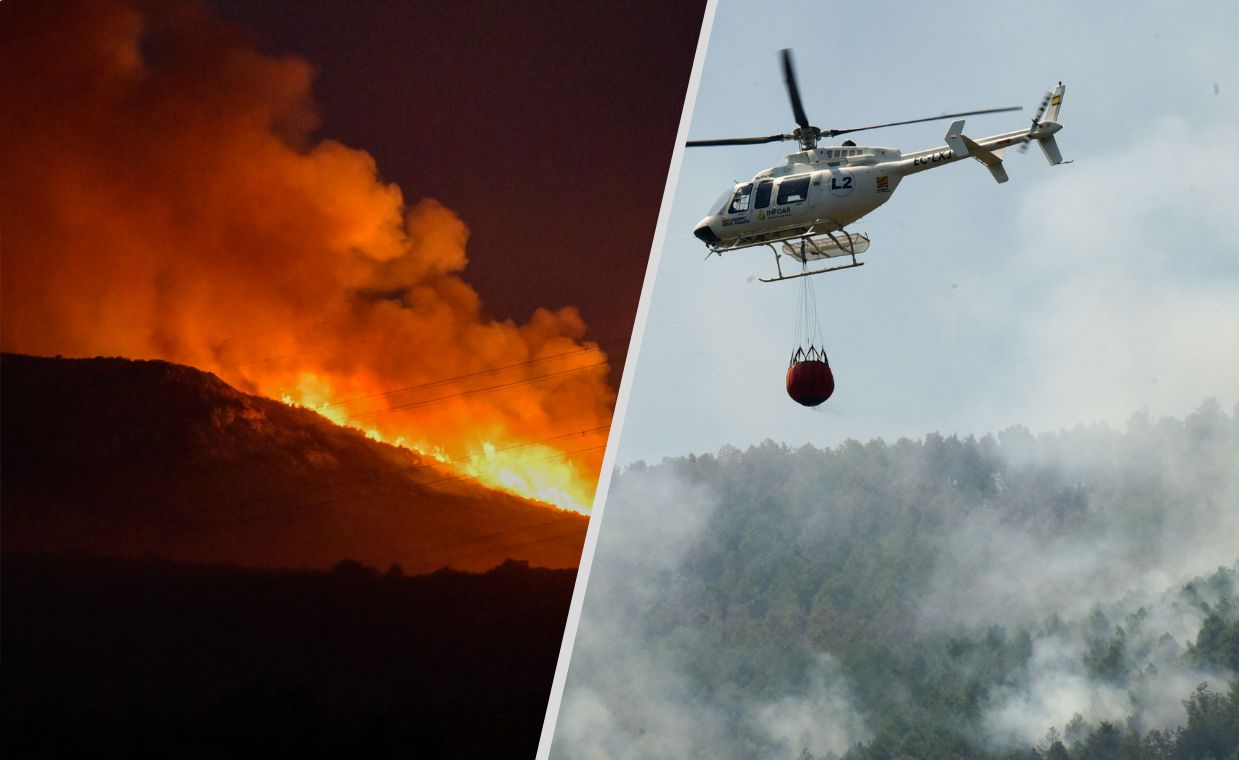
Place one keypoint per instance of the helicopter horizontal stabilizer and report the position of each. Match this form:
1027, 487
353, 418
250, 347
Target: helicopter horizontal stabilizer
1050, 148
991, 159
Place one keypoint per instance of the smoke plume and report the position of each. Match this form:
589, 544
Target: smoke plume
632, 693
164, 196
949, 597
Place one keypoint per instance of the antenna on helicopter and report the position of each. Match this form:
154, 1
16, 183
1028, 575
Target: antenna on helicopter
808, 135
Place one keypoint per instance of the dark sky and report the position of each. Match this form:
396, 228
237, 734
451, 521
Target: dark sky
548, 127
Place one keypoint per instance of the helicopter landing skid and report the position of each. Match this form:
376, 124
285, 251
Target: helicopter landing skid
782, 276
850, 245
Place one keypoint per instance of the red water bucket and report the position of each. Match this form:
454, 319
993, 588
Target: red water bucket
810, 382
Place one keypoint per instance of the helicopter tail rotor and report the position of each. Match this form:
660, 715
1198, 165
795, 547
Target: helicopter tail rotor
1036, 119
1050, 105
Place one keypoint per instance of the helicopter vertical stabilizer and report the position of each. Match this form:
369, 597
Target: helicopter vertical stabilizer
954, 139
1056, 102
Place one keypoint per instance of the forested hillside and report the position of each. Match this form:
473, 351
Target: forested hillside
1019, 596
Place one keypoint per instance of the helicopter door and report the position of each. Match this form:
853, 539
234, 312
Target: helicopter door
762, 198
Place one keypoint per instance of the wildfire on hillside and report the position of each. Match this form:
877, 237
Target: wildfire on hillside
164, 198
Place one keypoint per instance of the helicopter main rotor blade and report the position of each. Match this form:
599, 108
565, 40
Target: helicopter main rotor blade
789, 78
737, 141
834, 132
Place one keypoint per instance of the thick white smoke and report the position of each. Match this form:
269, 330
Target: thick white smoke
628, 694
1155, 631
1080, 550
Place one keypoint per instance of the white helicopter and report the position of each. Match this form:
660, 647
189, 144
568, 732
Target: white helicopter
805, 204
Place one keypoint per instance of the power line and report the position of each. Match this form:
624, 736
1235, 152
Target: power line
563, 455
433, 462
306, 352
434, 549
448, 380
475, 391
427, 402
418, 484
406, 488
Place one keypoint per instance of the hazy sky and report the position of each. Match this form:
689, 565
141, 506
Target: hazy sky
1070, 294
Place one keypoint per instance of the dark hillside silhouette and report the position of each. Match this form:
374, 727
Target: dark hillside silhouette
189, 571
119, 457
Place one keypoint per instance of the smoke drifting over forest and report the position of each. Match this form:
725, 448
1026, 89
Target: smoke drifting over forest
1170, 512
630, 693
1015, 594
165, 197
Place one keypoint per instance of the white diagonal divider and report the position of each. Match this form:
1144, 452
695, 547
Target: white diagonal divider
626, 380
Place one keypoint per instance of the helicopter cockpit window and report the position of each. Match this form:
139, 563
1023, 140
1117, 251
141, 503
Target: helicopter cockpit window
793, 190
740, 201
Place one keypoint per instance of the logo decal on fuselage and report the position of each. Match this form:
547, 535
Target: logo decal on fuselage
841, 185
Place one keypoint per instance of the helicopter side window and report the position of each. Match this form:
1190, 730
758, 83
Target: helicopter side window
762, 199
793, 190
740, 201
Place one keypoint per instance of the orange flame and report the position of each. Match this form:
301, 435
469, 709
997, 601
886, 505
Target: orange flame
163, 198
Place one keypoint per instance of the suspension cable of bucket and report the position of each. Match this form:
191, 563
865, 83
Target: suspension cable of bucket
809, 379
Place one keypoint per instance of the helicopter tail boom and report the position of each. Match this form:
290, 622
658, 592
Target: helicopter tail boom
959, 146
989, 150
